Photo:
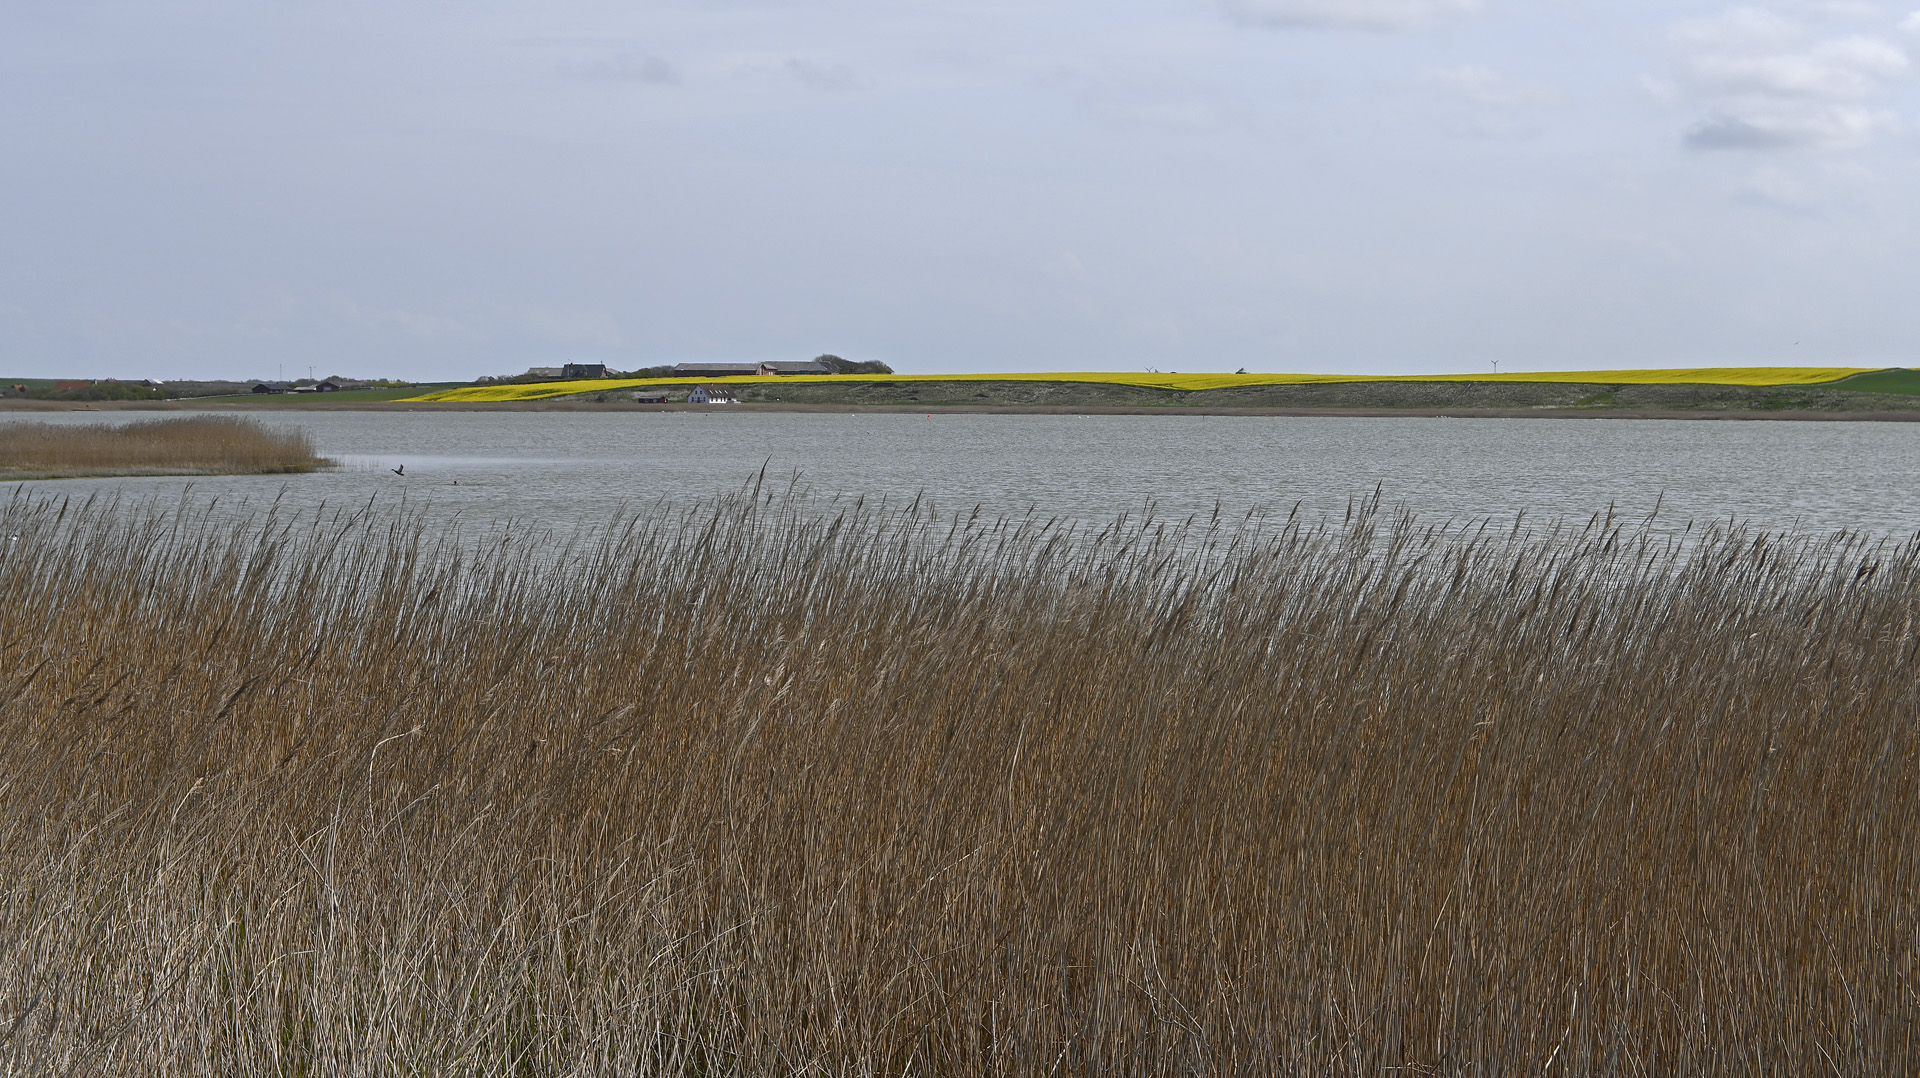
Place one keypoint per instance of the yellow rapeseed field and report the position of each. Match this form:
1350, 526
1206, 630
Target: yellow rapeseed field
1719, 376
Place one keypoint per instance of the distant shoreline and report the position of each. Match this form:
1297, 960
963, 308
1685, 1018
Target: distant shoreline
231, 406
1794, 394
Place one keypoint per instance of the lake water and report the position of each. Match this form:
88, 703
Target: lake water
564, 467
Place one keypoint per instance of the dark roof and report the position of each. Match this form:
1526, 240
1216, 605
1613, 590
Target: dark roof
716, 369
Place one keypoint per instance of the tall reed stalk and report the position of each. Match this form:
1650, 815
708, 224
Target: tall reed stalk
774, 786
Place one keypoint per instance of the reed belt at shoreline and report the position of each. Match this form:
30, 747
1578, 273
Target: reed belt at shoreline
769, 784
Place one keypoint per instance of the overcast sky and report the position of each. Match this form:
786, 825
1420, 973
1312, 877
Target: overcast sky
440, 189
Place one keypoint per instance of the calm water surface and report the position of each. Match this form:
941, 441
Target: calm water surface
565, 467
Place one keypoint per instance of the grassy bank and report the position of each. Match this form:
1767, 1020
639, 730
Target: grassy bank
1749, 391
1183, 383
336, 399
192, 445
1512, 398
768, 786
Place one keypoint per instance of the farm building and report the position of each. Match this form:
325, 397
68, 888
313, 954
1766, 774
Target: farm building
715, 370
741, 370
712, 395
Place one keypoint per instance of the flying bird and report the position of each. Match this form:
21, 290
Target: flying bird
401, 470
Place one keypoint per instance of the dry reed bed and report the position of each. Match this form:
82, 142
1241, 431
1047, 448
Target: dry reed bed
187, 445
769, 786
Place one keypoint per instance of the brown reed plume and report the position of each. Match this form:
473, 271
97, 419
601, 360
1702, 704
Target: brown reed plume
778, 786
186, 445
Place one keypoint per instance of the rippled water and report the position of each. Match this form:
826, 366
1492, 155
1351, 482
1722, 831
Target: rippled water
566, 467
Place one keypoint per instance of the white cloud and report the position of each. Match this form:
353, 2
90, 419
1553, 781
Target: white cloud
1388, 15
1911, 24
1478, 102
1776, 186
1847, 69
1777, 189
1836, 9
1769, 83
1739, 29
1485, 86
1164, 104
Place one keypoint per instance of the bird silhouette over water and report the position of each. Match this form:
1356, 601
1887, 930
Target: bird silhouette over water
401, 470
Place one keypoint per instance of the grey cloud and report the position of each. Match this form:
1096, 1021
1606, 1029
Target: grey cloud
1830, 128
626, 67
822, 76
1161, 104
1384, 15
573, 325
1733, 133
1769, 83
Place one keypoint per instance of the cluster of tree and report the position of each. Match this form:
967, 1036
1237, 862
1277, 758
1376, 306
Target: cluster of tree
833, 363
207, 389
108, 389
93, 391
350, 383
530, 377
847, 366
